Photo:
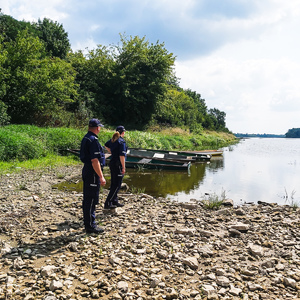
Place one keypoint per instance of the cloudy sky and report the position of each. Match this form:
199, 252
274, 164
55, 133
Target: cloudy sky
242, 56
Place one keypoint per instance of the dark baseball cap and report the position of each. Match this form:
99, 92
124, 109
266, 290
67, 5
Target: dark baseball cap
95, 123
120, 129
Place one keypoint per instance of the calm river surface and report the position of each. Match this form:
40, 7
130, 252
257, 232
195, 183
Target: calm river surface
256, 169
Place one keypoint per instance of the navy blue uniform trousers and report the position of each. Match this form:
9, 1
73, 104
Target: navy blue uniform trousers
91, 187
115, 184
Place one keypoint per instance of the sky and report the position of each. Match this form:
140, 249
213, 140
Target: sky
242, 56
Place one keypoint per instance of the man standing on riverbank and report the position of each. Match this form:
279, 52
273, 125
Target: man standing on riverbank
93, 157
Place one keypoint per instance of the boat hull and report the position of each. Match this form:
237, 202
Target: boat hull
141, 153
183, 155
150, 163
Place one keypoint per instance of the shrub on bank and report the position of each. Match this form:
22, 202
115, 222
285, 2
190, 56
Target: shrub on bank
15, 145
22, 142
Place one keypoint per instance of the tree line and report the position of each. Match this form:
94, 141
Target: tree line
260, 135
293, 133
43, 82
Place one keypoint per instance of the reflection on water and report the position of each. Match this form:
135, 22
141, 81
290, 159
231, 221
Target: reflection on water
216, 163
163, 183
254, 170
159, 183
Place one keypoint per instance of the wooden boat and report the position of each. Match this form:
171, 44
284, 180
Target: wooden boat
77, 152
152, 163
195, 156
147, 163
211, 152
142, 153
74, 151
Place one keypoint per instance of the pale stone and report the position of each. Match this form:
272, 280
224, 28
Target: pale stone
208, 289
192, 262
206, 233
235, 291
190, 206
255, 250
55, 285
223, 281
122, 286
47, 270
185, 231
240, 226
289, 282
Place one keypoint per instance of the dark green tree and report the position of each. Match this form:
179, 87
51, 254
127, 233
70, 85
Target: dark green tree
293, 133
216, 119
50, 32
37, 86
4, 118
200, 103
54, 36
177, 109
139, 80
3, 71
10, 27
93, 76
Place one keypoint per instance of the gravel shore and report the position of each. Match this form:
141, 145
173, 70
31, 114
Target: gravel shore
151, 248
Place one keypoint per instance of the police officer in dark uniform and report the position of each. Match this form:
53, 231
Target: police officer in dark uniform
118, 149
93, 157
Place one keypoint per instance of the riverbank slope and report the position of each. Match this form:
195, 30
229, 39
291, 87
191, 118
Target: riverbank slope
151, 249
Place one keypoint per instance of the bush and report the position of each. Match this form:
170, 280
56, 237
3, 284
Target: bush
22, 142
18, 146
4, 117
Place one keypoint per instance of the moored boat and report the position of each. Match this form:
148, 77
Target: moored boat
211, 152
152, 163
147, 163
143, 153
193, 155
77, 152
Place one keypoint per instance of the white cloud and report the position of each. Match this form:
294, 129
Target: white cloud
32, 10
253, 89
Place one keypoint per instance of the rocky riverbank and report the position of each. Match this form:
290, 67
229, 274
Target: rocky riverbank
151, 248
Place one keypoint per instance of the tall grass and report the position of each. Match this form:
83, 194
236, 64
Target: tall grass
23, 142
49, 161
26, 142
167, 140
213, 201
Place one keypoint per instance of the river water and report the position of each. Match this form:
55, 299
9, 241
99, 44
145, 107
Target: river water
255, 169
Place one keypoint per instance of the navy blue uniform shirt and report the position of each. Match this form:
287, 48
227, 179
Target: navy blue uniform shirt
91, 148
117, 149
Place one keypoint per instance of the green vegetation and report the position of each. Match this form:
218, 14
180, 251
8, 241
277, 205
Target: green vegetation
44, 83
263, 135
23, 142
293, 133
213, 201
137, 191
290, 199
23, 145
48, 162
52, 92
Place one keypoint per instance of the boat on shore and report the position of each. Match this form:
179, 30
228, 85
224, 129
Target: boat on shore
152, 163
77, 152
147, 162
211, 152
143, 153
193, 155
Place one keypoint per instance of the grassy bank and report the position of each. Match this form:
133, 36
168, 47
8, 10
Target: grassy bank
31, 146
